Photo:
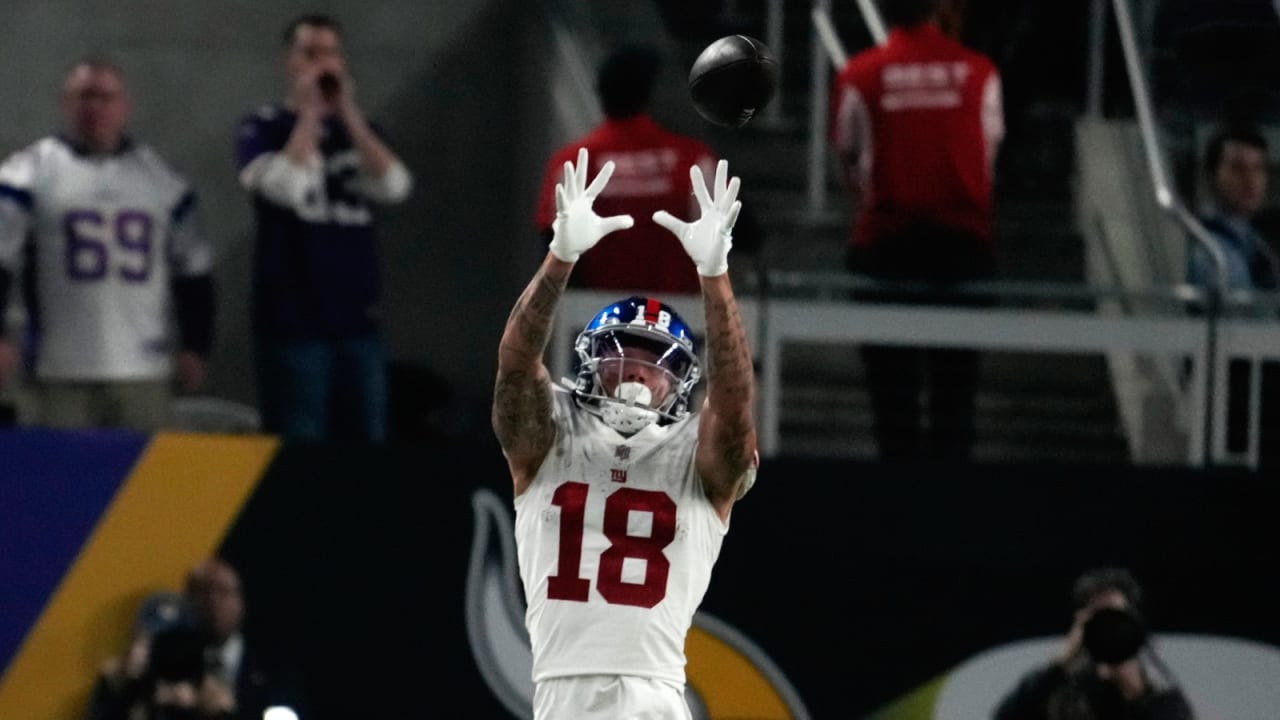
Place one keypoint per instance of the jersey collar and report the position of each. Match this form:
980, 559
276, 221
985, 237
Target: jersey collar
79, 148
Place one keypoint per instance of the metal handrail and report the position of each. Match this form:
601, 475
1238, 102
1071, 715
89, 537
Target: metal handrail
1169, 200
818, 94
796, 282
1166, 197
1176, 296
827, 36
871, 16
828, 44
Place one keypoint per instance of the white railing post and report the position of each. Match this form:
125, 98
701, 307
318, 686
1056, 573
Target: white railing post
826, 52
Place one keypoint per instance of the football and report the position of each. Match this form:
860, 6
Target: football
732, 79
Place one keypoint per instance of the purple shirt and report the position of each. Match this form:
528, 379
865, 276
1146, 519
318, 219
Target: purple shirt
316, 273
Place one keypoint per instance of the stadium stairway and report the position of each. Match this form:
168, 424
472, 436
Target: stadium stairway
1031, 408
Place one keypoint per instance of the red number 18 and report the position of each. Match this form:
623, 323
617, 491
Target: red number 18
571, 498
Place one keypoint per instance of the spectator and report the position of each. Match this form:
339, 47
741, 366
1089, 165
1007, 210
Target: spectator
917, 123
651, 174
316, 169
611, 644
211, 668
1236, 166
114, 255
125, 683
1106, 668
1236, 172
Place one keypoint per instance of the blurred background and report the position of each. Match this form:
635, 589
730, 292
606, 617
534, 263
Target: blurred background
476, 94
1094, 444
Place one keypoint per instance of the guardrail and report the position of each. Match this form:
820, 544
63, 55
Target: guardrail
774, 322
1168, 198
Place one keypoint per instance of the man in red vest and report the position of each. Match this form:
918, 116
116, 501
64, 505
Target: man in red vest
652, 174
917, 122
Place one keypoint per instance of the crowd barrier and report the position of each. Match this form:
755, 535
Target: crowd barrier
772, 323
843, 590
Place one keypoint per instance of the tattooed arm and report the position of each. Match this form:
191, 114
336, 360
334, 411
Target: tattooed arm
726, 427
521, 413
726, 431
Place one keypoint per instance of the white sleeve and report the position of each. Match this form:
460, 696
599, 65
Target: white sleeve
190, 252
852, 136
16, 179
392, 187
15, 221
282, 181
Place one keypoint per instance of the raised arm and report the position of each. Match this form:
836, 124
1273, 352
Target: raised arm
726, 428
521, 413
383, 176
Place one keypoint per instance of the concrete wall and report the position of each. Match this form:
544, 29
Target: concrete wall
474, 94
438, 76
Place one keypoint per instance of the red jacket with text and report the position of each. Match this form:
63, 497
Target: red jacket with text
917, 121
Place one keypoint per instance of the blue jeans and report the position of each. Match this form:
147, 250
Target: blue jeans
318, 390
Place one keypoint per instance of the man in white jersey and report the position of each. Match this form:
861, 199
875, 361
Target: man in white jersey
104, 236
622, 494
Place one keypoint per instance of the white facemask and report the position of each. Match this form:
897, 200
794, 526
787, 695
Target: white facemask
631, 412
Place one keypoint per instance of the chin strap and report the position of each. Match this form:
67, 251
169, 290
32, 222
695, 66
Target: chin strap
631, 411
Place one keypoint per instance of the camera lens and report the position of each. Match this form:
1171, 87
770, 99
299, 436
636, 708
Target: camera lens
1114, 635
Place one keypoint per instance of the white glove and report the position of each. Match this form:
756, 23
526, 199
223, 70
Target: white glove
708, 239
577, 228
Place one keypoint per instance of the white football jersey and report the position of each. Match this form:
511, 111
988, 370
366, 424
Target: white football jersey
109, 234
616, 540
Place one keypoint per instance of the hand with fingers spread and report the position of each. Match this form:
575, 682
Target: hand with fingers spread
577, 227
709, 238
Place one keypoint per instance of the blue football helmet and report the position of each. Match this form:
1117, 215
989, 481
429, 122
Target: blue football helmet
602, 360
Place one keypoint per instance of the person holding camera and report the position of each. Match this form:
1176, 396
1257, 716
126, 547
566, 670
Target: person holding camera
126, 683
1106, 667
190, 658
317, 169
